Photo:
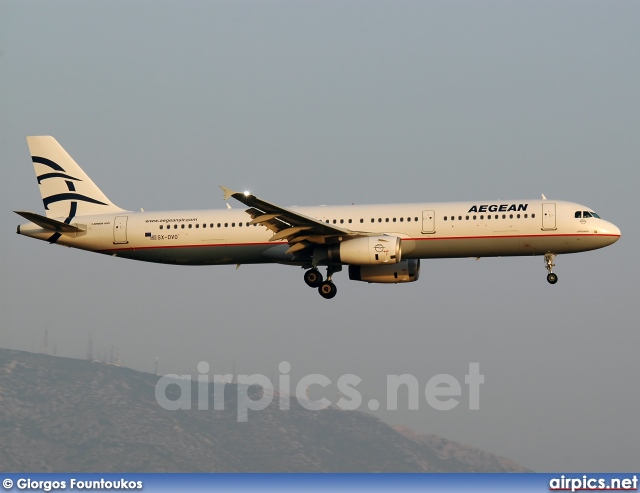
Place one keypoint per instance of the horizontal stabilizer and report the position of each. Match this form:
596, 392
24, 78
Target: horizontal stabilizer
48, 223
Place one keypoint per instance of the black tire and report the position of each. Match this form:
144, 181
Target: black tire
313, 278
552, 278
327, 290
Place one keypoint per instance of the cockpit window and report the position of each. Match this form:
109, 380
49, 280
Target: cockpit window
580, 214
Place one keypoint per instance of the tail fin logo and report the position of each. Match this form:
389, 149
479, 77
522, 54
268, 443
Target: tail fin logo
62, 196
59, 172
66, 190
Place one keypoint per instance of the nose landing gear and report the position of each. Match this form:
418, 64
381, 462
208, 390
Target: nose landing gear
548, 261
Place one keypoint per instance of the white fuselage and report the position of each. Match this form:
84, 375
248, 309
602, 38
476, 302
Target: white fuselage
427, 230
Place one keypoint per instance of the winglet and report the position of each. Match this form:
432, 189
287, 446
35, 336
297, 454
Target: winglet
227, 192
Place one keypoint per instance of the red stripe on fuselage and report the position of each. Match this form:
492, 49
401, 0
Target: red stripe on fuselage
404, 239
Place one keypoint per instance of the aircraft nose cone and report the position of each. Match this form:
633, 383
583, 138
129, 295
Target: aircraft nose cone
616, 230
613, 231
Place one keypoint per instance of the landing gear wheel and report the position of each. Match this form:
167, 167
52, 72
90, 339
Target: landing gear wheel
549, 265
313, 278
327, 290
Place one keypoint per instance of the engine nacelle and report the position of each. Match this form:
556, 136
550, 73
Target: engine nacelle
404, 271
370, 250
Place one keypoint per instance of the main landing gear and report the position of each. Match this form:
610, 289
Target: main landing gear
548, 261
313, 278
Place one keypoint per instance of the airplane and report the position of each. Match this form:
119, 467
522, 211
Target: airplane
378, 243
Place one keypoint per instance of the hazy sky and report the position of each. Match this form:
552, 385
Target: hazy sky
321, 102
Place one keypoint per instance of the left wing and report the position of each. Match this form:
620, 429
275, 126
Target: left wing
299, 230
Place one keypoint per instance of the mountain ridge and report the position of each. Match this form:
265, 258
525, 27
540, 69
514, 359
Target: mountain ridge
62, 414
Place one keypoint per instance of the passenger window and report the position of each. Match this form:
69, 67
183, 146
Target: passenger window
379, 219
226, 225
386, 220
467, 218
510, 216
518, 216
525, 216
197, 226
402, 219
459, 218
481, 217
489, 216
445, 218
475, 217
504, 216
341, 221
161, 226
453, 218
533, 216
190, 225
409, 219
361, 221
394, 219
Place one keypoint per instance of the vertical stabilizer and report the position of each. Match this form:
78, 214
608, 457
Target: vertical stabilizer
66, 190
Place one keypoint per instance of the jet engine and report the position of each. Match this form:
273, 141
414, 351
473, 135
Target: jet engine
369, 250
404, 271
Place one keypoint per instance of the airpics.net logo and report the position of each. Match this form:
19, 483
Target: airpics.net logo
256, 392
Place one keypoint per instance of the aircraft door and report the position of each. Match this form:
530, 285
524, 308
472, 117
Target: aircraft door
549, 216
120, 229
428, 222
